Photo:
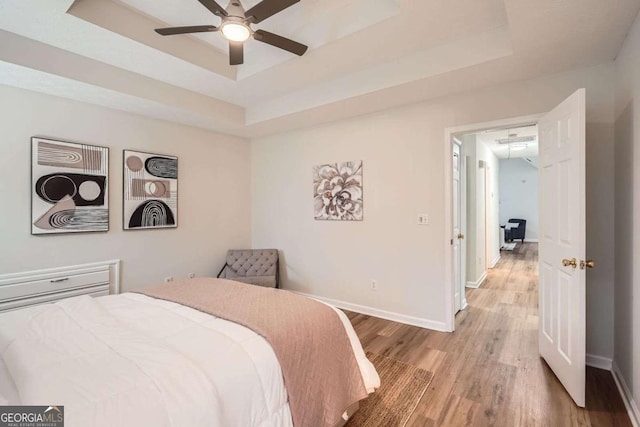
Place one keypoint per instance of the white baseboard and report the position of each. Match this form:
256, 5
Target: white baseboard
464, 304
599, 362
531, 241
383, 314
627, 397
476, 285
495, 261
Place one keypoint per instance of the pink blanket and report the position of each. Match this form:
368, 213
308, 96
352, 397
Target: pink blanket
318, 364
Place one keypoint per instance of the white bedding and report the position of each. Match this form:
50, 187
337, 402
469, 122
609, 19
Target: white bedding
131, 360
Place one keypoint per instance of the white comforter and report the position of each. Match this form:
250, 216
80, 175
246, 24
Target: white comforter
131, 360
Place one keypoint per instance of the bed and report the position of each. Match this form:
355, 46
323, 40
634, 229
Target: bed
132, 360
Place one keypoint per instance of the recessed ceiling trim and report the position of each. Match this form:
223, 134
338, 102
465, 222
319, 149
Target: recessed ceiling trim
430, 62
50, 84
47, 21
121, 19
300, 92
38, 56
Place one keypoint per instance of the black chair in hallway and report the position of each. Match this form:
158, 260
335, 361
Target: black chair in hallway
516, 233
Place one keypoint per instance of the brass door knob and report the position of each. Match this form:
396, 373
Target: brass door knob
587, 264
460, 236
570, 262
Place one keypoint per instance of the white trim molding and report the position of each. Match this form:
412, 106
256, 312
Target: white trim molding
599, 362
382, 314
531, 241
477, 284
627, 397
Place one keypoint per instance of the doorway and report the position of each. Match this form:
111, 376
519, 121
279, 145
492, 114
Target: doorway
562, 259
495, 207
456, 277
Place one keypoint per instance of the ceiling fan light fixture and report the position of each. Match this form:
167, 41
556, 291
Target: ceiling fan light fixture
235, 32
236, 26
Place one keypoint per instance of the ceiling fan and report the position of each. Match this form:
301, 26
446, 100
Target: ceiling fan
236, 27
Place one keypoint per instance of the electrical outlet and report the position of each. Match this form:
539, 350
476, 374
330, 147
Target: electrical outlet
192, 275
374, 285
168, 279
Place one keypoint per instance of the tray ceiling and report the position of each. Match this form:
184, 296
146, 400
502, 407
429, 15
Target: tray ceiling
105, 52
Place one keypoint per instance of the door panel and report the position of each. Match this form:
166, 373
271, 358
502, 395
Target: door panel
488, 216
457, 257
565, 221
548, 223
562, 332
564, 315
546, 305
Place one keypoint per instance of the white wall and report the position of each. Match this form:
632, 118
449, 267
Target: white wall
214, 191
492, 173
519, 194
474, 238
477, 260
403, 153
627, 212
600, 237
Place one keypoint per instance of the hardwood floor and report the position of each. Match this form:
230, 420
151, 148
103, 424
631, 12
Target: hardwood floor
489, 372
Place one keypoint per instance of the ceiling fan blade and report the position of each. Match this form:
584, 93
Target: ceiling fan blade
279, 41
236, 53
214, 7
267, 8
186, 30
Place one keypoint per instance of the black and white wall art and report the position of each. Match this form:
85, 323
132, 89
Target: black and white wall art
150, 197
69, 191
337, 191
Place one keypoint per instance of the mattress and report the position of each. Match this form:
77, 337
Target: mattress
133, 360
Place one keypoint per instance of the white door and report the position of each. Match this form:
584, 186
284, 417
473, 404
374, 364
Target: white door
562, 301
458, 261
488, 217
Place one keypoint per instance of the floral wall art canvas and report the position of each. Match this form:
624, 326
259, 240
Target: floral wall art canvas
337, 191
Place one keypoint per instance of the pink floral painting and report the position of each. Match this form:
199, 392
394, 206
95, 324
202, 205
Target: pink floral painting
337, 191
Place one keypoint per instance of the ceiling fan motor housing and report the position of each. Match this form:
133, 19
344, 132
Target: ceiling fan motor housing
235, 10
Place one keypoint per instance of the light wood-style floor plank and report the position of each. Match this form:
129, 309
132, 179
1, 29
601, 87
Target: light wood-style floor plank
489, 373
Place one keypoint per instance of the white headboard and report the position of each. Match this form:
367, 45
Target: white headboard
19, 290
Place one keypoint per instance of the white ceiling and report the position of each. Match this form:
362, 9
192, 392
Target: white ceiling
105, 52
509, 151
313, 22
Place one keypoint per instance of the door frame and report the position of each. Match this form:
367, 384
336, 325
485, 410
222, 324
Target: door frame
449, 133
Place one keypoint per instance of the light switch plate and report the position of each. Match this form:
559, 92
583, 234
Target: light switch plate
423, 219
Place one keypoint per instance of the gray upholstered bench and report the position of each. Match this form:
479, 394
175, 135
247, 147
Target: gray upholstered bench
254, 266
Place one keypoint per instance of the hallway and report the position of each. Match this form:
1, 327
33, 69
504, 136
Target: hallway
489, 372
